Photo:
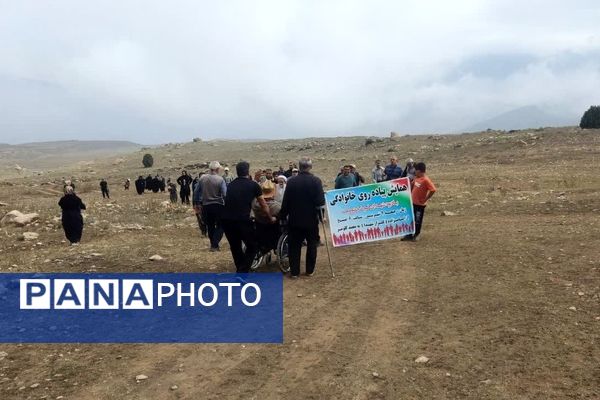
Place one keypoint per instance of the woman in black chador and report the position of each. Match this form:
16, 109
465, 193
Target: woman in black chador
72, 221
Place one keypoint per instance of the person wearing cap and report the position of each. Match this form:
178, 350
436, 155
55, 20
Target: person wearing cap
280, 188
358, 178
226, 177
410, 171
236, 217
378, 172
295, 172
346, 179
209, 200
393, 170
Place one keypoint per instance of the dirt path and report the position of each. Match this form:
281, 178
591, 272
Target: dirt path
338, 332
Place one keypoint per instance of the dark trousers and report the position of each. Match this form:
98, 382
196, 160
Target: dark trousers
295, 238
185, 196
211, 215
105, 193
419, 212
236, 233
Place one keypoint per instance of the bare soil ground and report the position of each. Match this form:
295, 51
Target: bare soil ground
487, 295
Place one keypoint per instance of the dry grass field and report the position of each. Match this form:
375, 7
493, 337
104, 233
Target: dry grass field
503, 297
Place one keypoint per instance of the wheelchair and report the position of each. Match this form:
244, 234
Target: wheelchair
269, 243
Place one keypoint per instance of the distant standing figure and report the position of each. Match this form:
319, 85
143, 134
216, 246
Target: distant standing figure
149, 182
104, 189
359, 180
226, 176
140, 185
302, 204
127, 183
172, 192
72, 221
163, 185
410, 172
378, 172
184, 182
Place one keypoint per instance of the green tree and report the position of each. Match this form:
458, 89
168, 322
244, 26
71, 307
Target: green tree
148, 160
591, 118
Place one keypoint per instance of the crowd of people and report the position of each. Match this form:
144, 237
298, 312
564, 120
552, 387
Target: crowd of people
246, 209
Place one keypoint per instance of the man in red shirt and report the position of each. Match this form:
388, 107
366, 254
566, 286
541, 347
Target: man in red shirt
422, 190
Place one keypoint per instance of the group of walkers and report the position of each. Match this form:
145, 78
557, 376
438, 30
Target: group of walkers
247, 209
349, 175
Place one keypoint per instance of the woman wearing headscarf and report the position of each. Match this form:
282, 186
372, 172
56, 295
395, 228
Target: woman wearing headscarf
72, 221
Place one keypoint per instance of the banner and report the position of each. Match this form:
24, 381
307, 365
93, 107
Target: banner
371, 212
141, 308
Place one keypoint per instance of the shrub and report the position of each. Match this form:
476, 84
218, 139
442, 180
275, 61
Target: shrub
591, 118
148, 160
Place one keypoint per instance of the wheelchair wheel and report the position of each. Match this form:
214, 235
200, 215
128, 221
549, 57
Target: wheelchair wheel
258, 259
282, 253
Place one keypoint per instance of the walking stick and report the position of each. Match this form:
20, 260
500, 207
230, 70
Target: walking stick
322, 219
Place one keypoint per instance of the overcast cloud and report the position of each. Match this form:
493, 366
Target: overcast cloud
161, 71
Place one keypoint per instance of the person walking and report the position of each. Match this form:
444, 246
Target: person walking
393, 170
127, 184
302, 204
422, 190
172, 188
184, 182
209, 200
104, 189
72, 221
378, 172
236, 217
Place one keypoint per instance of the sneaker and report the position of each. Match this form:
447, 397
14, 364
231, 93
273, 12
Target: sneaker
214, 249
311, 274
294, 276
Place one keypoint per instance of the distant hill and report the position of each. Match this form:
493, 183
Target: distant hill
523, 118
41, 155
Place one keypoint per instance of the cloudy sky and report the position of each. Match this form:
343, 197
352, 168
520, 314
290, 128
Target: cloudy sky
161, 71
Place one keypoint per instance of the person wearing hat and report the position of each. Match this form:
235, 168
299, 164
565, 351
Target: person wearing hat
226, 177
358, 178
410, 171
346, 179
209, 200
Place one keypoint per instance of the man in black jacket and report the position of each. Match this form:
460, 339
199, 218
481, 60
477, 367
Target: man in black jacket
184, 182
241, 192
302, 203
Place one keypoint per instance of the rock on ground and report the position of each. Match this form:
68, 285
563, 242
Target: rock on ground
17, 218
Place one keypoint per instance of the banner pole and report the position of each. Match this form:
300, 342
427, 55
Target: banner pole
327, 246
